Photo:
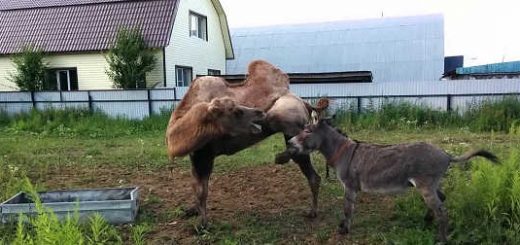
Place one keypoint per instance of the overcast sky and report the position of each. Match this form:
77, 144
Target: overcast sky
483, 31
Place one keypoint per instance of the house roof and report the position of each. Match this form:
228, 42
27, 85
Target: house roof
81, 25
394, 48
496, 68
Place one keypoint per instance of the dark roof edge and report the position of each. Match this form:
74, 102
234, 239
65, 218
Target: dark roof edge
73, 4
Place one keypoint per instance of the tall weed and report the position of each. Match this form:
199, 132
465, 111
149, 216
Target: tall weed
484, 202
81, 122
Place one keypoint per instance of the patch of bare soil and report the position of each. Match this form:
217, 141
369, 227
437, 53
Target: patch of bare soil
263, 190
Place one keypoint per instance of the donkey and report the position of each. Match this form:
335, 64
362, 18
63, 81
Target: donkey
382, 168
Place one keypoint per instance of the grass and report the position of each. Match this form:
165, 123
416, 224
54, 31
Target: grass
483, 200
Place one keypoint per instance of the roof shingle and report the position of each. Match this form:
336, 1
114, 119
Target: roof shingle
81, 25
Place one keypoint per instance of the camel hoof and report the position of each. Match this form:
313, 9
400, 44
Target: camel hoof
282, 158
190, 212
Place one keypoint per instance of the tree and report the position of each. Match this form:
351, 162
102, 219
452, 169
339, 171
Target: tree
30, 69
129, 60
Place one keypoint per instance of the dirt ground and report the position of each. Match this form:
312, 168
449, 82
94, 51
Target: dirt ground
264, 190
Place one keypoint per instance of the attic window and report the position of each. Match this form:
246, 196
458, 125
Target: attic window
198, 26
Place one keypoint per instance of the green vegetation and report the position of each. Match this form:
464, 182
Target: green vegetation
30, 69
129, 59
80, 148
45, 228
483, 117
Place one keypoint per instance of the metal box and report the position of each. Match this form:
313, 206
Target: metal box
117, 206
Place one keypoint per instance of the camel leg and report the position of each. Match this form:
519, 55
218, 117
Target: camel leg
202, 166
304, 162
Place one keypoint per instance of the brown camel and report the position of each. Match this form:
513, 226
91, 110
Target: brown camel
267, 89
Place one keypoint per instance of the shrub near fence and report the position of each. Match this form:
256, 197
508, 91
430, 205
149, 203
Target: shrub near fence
501, 115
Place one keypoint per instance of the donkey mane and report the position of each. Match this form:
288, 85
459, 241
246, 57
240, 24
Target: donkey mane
346, 136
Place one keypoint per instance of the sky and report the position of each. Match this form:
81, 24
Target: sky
483, 31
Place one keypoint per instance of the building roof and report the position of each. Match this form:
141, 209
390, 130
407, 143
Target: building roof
81, 25
500, 68
394, 49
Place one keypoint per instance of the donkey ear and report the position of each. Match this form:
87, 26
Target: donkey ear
314, 117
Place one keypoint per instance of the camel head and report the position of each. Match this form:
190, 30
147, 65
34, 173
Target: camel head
235, 119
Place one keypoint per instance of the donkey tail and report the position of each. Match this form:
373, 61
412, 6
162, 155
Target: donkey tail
470, 154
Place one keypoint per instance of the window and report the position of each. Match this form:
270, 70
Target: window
62, 79
212, 72
198, 26
183, 76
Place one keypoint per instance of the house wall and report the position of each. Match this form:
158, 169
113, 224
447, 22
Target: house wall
193, 52
6, 68
91, 70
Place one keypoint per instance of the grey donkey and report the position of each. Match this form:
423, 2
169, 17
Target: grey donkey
382, 168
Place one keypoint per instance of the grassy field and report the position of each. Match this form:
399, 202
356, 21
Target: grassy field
72, 162
251, 199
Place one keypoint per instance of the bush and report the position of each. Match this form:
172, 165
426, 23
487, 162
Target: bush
30, 69
129, 60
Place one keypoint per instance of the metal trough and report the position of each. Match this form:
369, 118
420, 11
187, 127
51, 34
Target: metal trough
117, 206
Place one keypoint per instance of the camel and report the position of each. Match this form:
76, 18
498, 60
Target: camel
267, 89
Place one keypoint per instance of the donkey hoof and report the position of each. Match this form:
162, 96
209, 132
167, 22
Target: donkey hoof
311, 215
343, 229
282, 158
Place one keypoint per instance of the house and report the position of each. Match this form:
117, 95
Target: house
188, 37
502, 70
396, 49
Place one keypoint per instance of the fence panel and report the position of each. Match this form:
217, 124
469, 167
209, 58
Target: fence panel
127, 109
137, 104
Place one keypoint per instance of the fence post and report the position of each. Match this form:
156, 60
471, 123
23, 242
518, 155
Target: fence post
149, 104
90, 108
448, 102
174, 93
33, 101
358, 104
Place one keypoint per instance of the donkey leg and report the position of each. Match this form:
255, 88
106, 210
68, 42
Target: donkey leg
428, 218
434, 203
202, 166
304, 162
348, 211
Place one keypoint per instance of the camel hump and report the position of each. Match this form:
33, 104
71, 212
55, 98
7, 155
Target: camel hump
263, 72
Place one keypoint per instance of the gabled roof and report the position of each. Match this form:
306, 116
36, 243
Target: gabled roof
496, 68
81, 25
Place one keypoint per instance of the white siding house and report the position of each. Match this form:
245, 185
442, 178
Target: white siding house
76, 48
195, 53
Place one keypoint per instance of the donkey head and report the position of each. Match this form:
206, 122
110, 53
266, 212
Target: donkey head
310, 138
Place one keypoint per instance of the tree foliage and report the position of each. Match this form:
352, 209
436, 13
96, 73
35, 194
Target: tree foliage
129, 60
30, 69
